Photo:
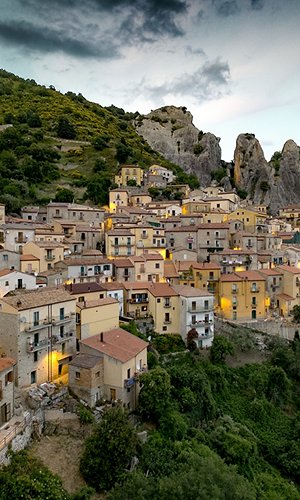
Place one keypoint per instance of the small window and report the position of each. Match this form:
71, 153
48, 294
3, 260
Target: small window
6, 283
5, 257
157, 265
97, 374
63, 348
77, 375
33, 377
9, 377
158, 301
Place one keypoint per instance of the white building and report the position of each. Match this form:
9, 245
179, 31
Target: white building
197, 313
11, 280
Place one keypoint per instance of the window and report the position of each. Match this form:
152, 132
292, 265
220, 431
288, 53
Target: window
211, 275
36, 318
193, 318
194, 305
63, 348
61, 331
6, 283
62, 313
206, 304
97, 375
33, 377
9, 377
157, 265
167, 302
128, 373
190, 246
254, 301
81, 299
158, 301
77, 375
5, 257
167, 317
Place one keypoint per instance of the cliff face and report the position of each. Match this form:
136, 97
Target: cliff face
275, 183
170, 131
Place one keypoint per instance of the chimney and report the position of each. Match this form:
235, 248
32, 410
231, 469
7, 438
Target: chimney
101, 337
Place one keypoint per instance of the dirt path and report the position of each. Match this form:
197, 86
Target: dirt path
61, 454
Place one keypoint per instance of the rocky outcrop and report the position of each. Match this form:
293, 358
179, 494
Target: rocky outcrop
170, 131
275, 183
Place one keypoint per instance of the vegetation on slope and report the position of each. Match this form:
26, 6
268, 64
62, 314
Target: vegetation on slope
64, 147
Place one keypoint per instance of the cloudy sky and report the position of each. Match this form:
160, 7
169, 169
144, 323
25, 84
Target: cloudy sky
234, 64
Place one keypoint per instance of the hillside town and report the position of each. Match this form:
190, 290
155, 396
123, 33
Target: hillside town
72, 275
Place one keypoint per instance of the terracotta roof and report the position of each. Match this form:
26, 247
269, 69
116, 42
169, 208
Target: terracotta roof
170, 270
48, 244
91, 252
206, 265
271, 272
115, 285
28, 256
123, 263
96, 303
290, 269
3, 272
162, 290
184, 265
91, 286
28, 299
230, 278
136, 285
250, 275
6, 362
285, 296
153, 256
119, 232
117, 343
189, 291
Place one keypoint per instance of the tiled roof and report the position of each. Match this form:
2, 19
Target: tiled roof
202, 266
6, 362
119, 232
170, 270
28, 299
85, 360
117, 343
96, 303
290, 269
285, 296
89, 262
91, 286
251, 275
189, 291
115, 285
123, 263
230, 278
136, 285
162, 290
271, 272
28, 256
6, 271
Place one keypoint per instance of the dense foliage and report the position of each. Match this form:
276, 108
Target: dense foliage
217, 431
64, 147
26, 478
108, 451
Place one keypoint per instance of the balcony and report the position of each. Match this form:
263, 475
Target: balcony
167, 321
139, 300
122, 244
49, 257
21, 239
167, 304
33, 347
126, 275
297, 282
129, 382
59, 320
255, 289
201, 322
37, 325
200, 309
58, 339
235, 290
212, 278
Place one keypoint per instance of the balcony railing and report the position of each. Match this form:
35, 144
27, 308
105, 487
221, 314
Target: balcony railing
139, 300
255, 289
57, 339
122, 244
37, 325
200, 309
37, 346
167, 321
55, 320
201, 322
49, 257
129, 382
21, 239
235, 290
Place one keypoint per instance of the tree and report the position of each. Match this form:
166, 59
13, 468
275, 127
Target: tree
154, 398
296, 314
64, 195
108, 450
65, 129
131, 182
220, 348
27, 478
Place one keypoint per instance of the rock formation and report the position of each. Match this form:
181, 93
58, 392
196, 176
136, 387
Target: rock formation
170, 131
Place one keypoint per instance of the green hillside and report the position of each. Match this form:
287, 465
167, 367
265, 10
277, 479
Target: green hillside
64, 147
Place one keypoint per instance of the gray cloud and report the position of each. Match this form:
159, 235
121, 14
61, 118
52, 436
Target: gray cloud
257, 4
130, 22
44, 39
228, 8
194, 51
210, 81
